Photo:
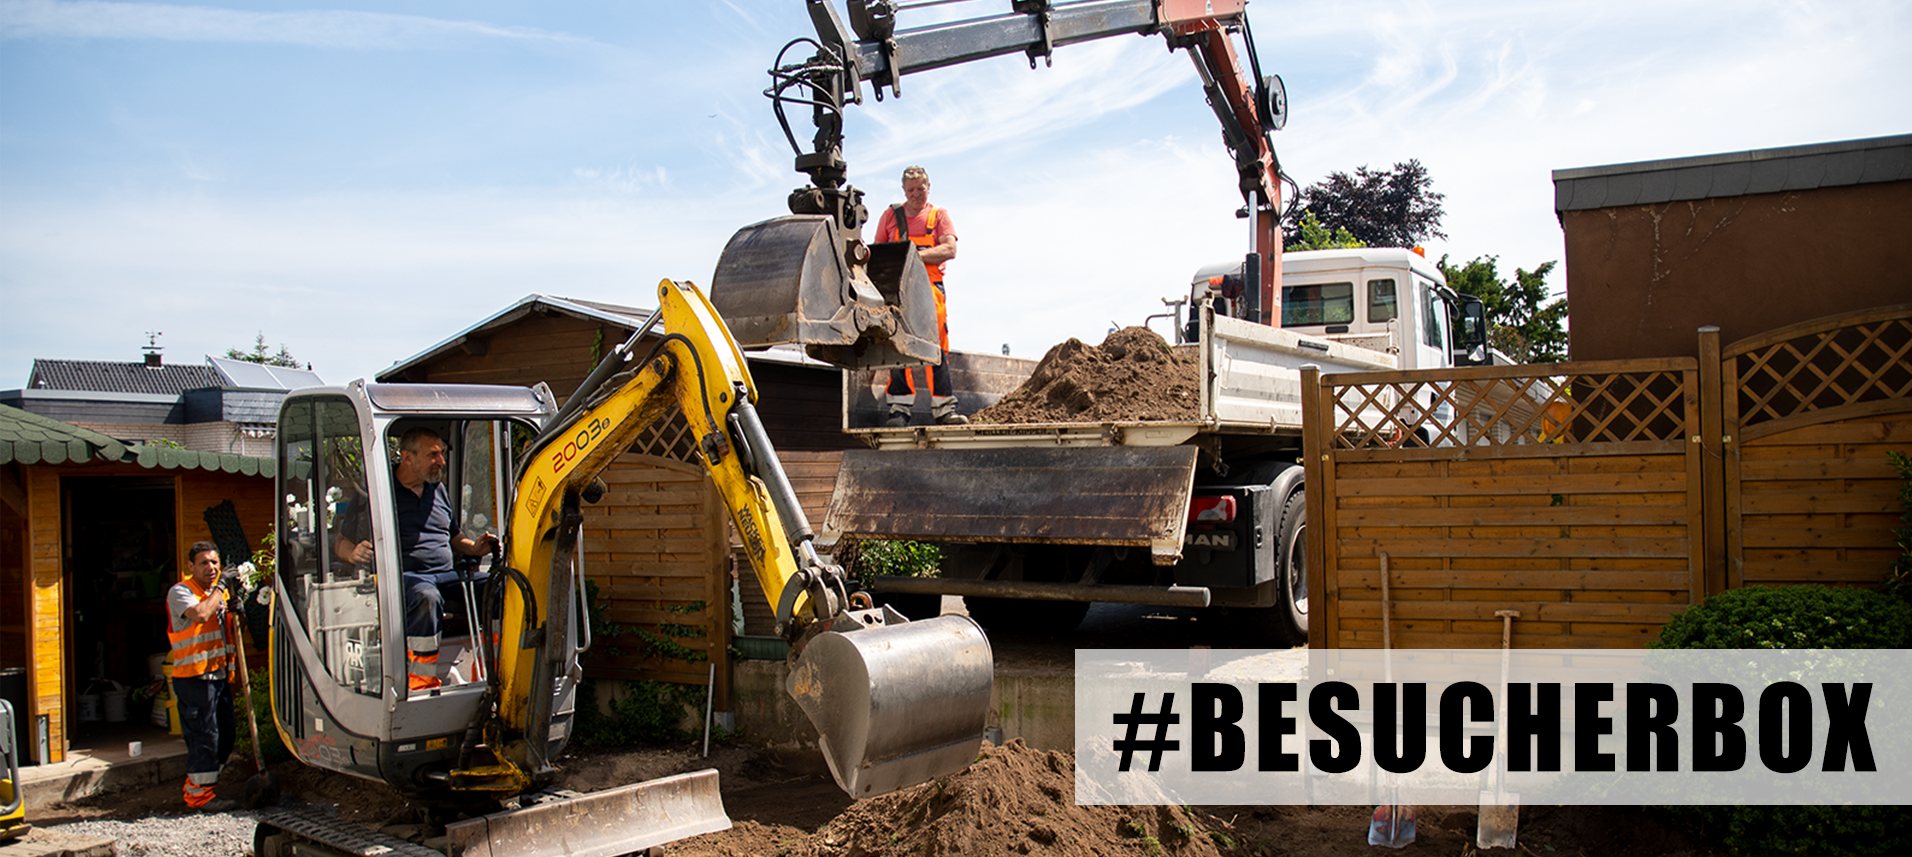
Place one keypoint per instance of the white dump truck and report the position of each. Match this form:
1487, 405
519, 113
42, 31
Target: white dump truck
1038, 521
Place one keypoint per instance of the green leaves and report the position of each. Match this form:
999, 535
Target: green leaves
1522, 323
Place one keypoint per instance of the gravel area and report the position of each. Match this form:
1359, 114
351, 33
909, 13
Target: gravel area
213, 834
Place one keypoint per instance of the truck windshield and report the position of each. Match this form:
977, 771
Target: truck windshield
1326, 303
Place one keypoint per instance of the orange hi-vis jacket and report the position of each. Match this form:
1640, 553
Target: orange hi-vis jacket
200, 648
922, 242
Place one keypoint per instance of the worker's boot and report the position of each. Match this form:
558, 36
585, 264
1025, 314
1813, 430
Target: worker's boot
943, 409
899, 417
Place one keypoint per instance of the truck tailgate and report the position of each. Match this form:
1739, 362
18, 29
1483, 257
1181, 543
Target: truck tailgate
1116, 495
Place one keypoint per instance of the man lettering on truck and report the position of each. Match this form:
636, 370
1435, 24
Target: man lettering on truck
934, 235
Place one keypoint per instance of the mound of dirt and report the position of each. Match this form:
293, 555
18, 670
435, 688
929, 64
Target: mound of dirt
1133, 375
1013, 800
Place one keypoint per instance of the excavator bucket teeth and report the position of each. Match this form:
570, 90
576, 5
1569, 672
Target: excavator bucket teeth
786, 281
896, 704
600, 824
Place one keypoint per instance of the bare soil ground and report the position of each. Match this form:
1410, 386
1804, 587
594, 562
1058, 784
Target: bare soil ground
1133, 375
1014, 800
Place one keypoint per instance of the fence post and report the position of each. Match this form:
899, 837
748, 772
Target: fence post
1712, 466
1316, 419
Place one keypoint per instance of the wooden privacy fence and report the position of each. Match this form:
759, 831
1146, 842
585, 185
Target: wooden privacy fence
1600, 499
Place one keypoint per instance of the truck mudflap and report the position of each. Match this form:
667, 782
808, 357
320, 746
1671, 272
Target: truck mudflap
1118, 495
600, 824
898, 702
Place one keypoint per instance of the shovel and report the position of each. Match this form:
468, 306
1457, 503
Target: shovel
1391, 825
1500, 808
262, 789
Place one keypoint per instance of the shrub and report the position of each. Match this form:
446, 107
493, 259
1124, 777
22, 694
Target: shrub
1791, 617
1898, 581
650, 712
877, 558
1799, 617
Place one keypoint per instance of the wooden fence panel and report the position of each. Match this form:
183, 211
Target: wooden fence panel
654, 546
1569, 493
1810, 412
1600, 499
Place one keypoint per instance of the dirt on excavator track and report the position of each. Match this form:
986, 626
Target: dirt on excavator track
1133, 375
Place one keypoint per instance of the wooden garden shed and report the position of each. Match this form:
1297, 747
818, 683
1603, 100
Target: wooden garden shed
92, 532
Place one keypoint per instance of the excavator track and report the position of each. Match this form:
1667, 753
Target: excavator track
340, 836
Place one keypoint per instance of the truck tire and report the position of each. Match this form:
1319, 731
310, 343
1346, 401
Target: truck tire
1291, 614
1017, 616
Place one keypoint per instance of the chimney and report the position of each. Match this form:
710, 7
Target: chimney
152, 358
152, 348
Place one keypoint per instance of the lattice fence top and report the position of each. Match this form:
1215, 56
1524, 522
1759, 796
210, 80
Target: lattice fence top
1468, 407
668, 438
1869, 360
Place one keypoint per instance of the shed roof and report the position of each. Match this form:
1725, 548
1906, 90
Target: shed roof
29, 438
617, 314
107, 376
1849, 162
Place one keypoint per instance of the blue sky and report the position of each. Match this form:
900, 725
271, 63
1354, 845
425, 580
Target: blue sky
359, 181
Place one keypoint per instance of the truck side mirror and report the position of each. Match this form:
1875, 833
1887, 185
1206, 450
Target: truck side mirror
1470, 342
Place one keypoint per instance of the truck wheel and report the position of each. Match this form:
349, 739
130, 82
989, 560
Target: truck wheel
1010, 615
1291, 615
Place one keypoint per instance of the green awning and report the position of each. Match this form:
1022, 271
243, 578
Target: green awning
29, 438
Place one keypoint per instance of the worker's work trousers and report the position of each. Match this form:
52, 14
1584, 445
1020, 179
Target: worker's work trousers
901, 394
424, 609
205, 720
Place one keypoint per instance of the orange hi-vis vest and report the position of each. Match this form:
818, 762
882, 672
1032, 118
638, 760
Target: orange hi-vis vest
922, 242
200, 648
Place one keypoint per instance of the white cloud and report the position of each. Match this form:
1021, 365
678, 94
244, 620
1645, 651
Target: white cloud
89, 19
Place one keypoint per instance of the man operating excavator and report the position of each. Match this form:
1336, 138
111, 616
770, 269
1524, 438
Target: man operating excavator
934, 234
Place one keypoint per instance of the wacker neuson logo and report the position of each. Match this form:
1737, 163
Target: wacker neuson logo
1439, 726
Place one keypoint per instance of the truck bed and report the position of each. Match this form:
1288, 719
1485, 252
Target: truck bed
1252, 387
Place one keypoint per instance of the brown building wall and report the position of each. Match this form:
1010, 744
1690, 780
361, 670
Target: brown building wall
1641, 279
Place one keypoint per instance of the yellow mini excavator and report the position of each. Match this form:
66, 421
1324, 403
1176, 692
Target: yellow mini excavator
894, 702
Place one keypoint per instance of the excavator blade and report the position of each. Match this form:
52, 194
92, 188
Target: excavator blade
786, 281
895, 702
600, 824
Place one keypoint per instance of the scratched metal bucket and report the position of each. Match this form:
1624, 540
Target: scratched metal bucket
786, 281
896, 704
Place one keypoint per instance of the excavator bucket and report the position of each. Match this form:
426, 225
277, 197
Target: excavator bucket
786, 281
895, 702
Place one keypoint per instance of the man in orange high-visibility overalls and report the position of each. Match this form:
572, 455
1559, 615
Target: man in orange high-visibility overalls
934, 235
196, 616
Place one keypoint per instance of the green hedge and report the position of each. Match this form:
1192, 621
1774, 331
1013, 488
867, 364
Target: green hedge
1799, 617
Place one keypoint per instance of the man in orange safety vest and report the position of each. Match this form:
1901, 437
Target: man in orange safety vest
202, 665
934, 234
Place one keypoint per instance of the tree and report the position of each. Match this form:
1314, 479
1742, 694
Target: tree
1521, 322
1314, 236
1379, 208
260, 355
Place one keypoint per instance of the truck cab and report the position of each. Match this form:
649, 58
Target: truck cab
1387, 299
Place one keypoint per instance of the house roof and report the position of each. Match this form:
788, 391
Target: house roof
622, 316
1850, 162
245, 375
105, 376
29, 438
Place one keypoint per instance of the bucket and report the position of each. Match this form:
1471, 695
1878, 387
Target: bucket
159, 666
115, 704
89, 707
162, 709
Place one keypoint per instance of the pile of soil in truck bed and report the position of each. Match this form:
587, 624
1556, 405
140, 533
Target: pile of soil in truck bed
1133, 375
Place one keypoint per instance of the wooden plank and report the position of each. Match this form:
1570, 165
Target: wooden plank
1818, 538
1826, 469
1883, 429
1606, 483
1418, 640
1592, 612
1578, 580
1819, 503
1535, 450
1519, 547
1870, 573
